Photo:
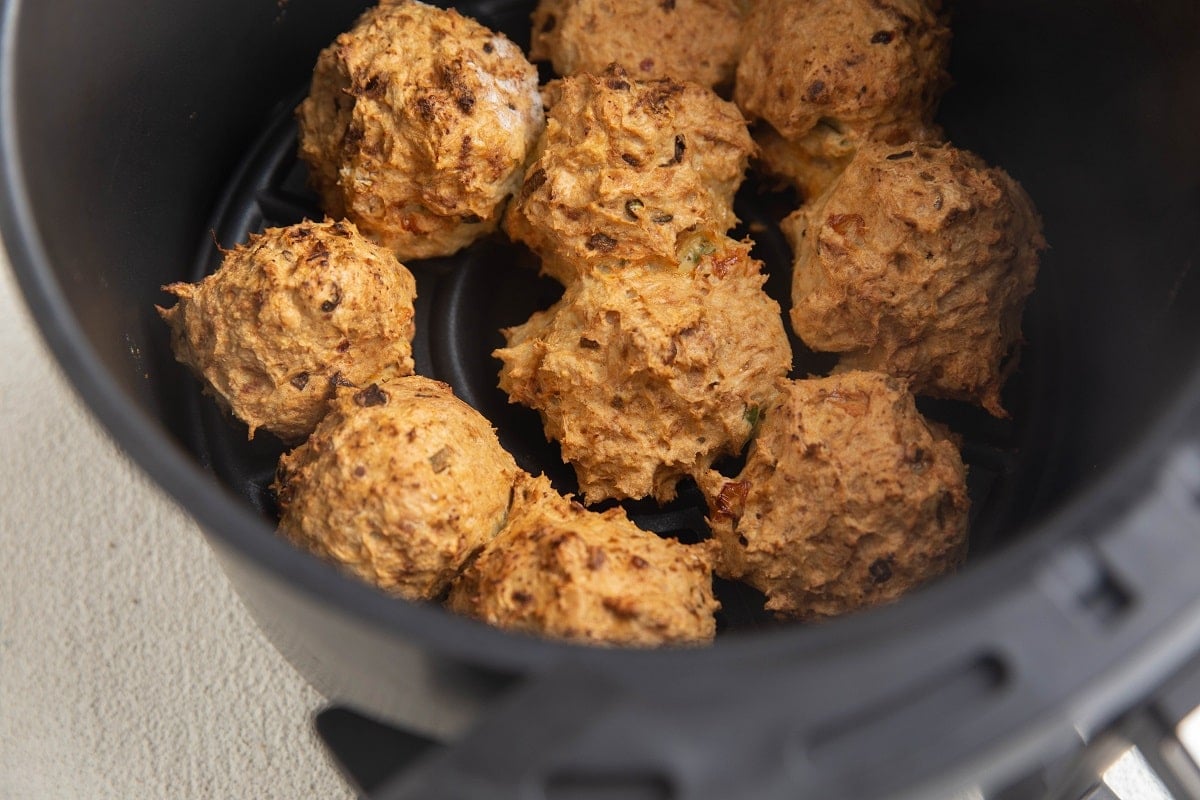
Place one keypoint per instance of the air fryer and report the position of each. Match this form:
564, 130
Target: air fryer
138, 138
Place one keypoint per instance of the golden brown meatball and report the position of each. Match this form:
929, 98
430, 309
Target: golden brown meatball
624, 169
647, 373
399, 485
847, 500
693, 40
560, 570
828, 75
291, 315
917, 262
418, 126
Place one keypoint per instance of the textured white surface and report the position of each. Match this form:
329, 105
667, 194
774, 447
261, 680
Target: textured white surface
128, 668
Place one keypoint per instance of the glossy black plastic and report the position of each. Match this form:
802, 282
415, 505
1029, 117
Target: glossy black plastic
128, 134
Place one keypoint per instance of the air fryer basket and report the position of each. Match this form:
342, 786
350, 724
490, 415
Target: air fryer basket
137, 136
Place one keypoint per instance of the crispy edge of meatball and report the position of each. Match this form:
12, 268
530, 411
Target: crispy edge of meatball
812, 163
895, 70
562, 571
695, 40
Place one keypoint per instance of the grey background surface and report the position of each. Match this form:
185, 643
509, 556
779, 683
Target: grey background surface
128, 668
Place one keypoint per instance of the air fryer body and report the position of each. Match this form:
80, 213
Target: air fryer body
136, 133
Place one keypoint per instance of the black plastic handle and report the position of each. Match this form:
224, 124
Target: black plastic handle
1090, 633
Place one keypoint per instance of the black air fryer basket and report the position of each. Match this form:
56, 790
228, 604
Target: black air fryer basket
137, 137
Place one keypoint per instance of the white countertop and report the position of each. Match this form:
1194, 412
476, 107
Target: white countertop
128, 668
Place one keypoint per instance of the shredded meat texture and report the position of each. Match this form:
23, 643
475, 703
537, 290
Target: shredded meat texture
918, 262
289, 316
848, 499
400, 484
694, 40
812, 163
626, 168
561, 571
825, 76
418, 126
647, 373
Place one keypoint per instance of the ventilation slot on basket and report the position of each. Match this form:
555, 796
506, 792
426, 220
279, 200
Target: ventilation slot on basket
1105, 600
609, 787
943, 704
369, 753
1078, 580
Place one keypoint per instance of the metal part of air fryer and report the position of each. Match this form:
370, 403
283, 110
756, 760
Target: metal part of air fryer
1069, 634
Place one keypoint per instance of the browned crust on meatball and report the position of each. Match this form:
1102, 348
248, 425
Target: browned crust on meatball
848, 499
624, 169
288, 317
399, 485
647, 373
829, 75
857, 63
694, 40
561, 571
418, 125
918, 262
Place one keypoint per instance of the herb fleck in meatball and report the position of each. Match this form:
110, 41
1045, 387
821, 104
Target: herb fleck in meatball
648, 373
848, 499
400, 484
829, 75
290, 316
418, 126
918, 261
625, 169
694, 40
562, 571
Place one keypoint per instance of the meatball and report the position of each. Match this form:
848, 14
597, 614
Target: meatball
848, 499
290, 316
827, 75
647, 373
812, 163
400, 484
562, 571
694, 40
918, 262
625, 168
418, 126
